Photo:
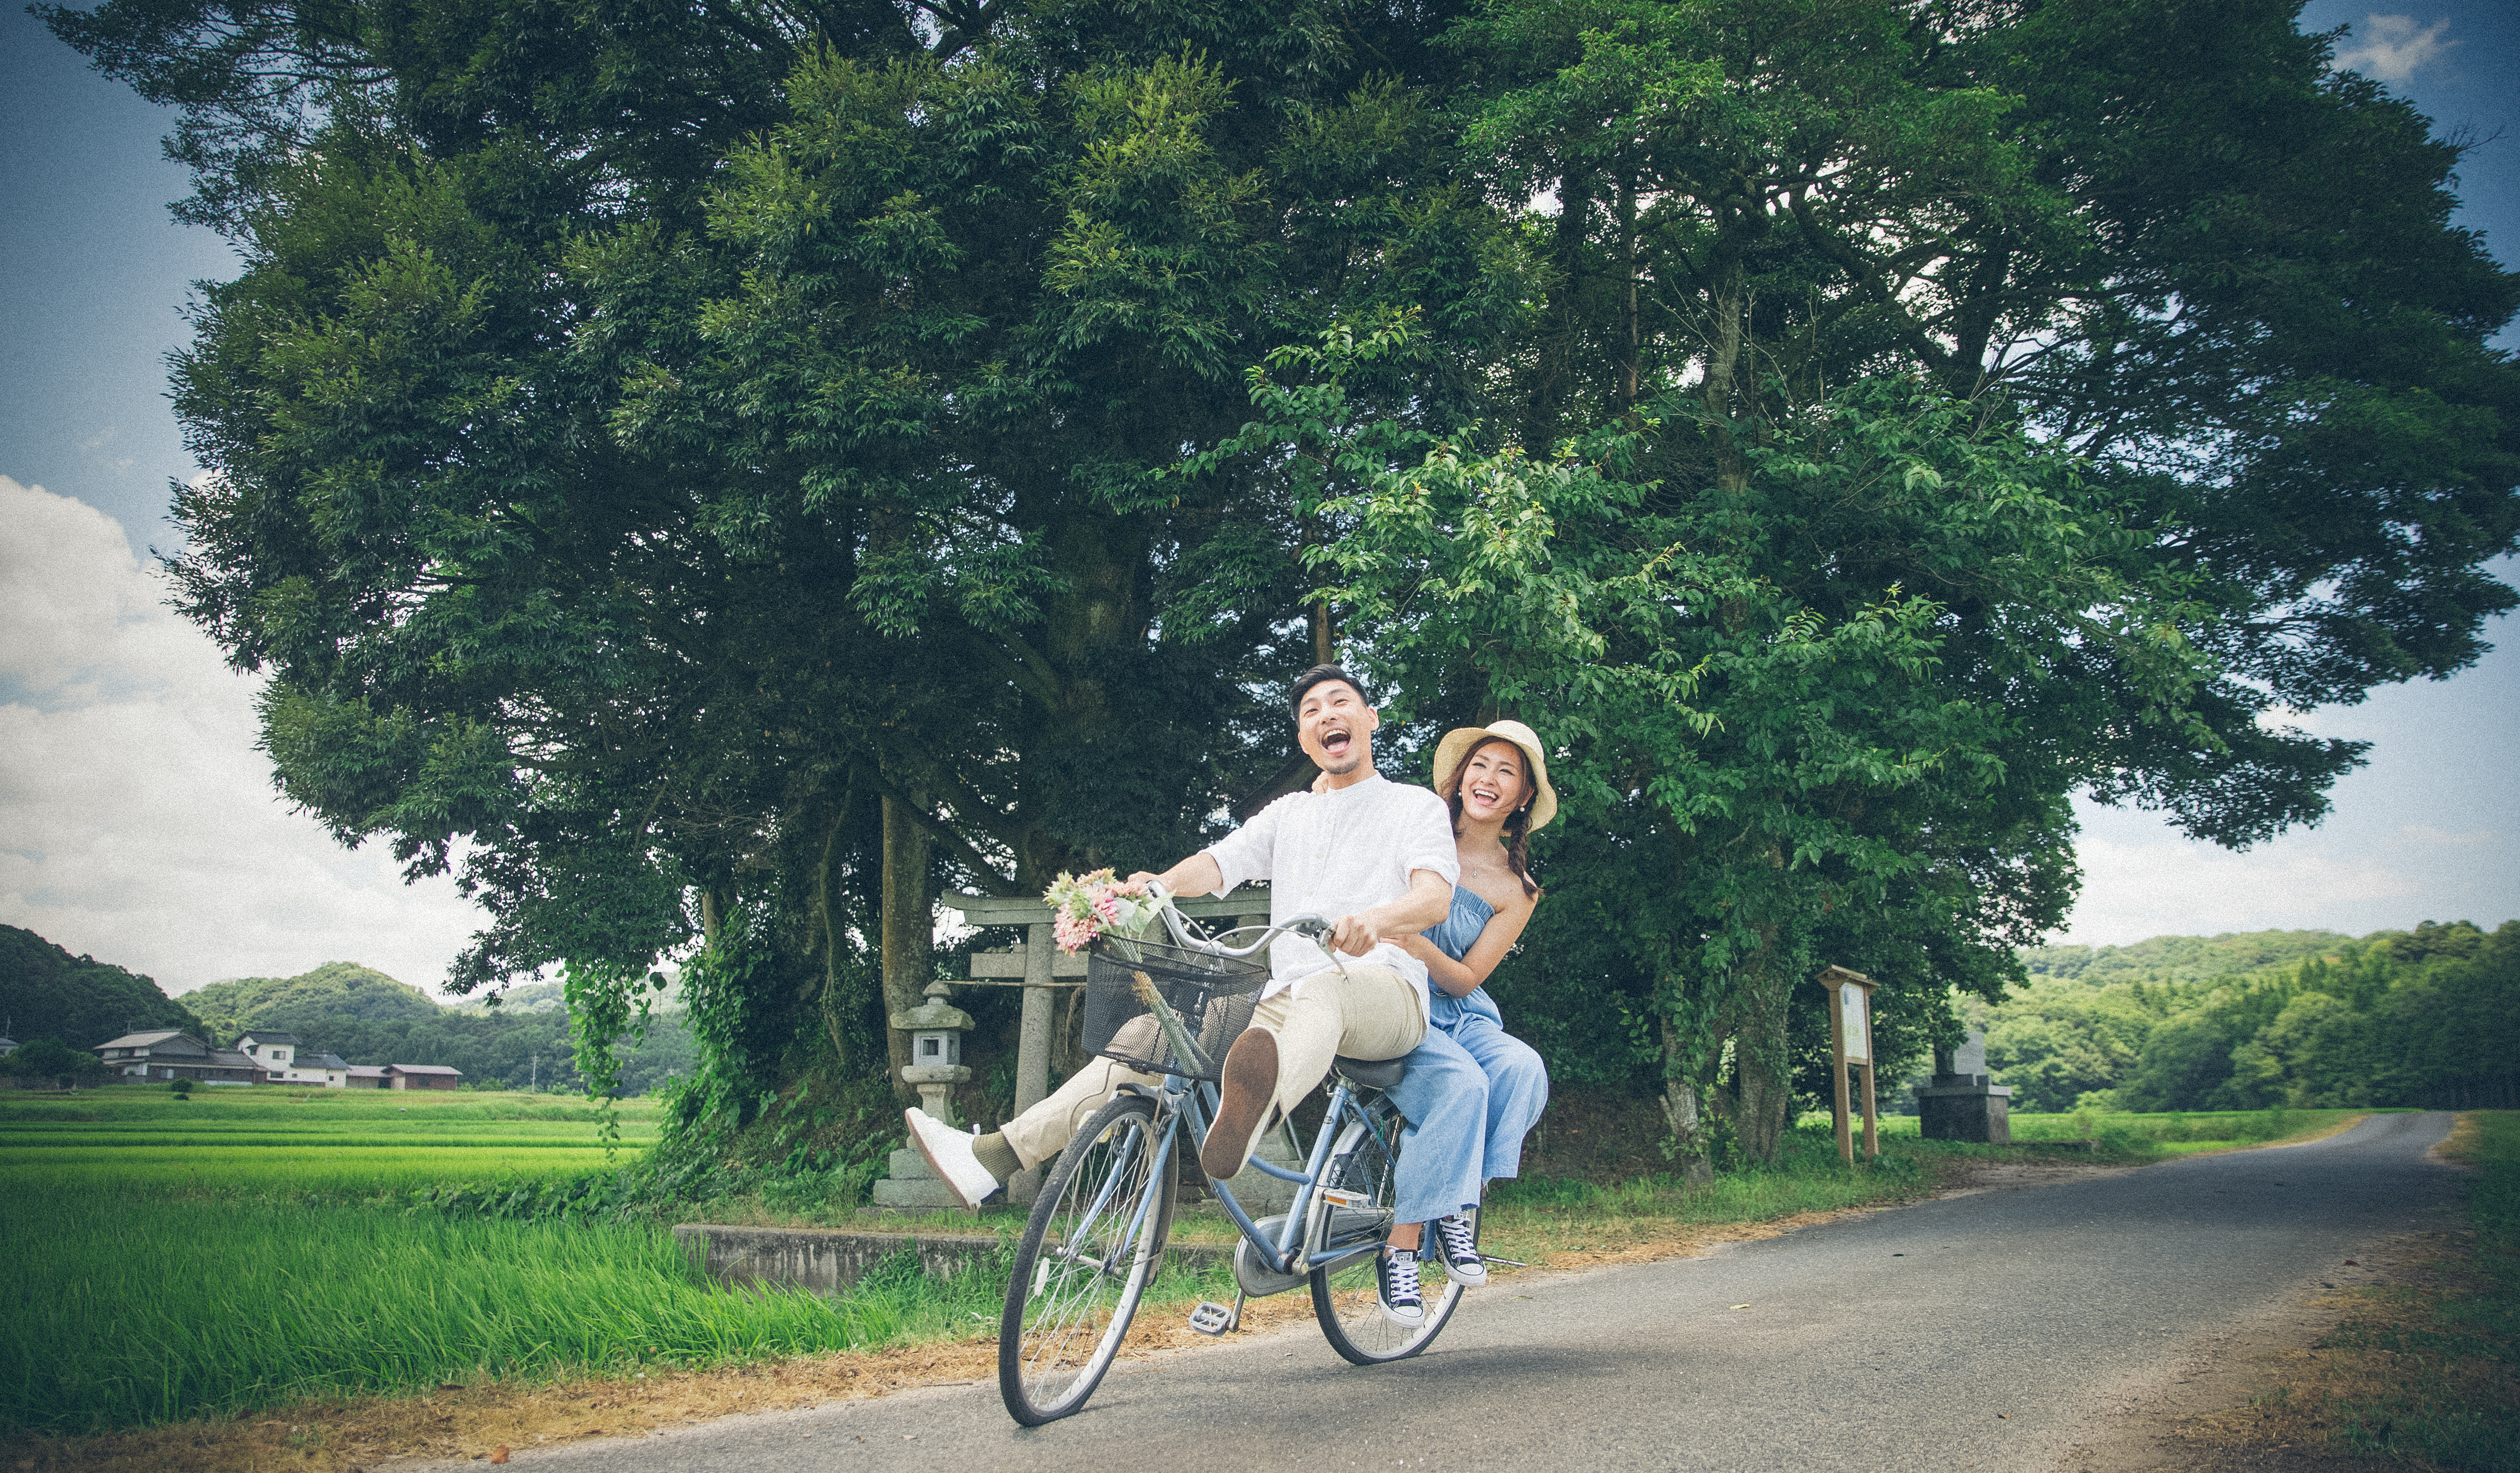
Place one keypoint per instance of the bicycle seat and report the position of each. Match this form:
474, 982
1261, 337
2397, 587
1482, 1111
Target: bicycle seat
1371, 1072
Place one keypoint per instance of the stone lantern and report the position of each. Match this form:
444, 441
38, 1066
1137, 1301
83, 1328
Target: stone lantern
935, 1027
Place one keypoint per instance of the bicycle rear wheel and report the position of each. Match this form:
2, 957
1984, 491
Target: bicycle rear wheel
1344, 1297
1094, 1241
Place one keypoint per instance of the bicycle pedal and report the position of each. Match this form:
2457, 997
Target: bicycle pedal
1212, 1319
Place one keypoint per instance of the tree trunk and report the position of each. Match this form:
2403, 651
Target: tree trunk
908, 929
1545, 414
1680, 1109
1722, 368
1631, 321
1763, 1094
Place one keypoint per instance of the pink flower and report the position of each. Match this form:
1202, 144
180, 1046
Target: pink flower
1072, 934
1107, 906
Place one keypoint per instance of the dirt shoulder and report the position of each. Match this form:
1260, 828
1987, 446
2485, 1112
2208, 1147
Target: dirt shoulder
2271, 1394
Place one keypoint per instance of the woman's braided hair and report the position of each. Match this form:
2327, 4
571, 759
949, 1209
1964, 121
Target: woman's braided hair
1517, 823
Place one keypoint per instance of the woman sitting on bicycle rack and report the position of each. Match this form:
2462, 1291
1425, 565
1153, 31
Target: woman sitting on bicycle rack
1377, 855
1475, 1090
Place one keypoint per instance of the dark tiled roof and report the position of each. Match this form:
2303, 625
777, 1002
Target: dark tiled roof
161, 1039
424, 1069
326, 1062
260, 1037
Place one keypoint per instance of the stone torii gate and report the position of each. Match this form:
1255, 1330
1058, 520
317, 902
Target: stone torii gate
1036, 966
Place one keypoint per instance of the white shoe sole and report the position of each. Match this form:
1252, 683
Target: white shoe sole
961, 1191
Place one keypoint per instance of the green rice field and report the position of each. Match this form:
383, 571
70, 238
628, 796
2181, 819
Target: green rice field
334, 1142
175, 1258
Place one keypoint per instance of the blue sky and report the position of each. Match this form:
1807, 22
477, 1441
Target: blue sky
136, 823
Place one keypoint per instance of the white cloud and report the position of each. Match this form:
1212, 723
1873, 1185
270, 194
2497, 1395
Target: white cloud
137, 819
2390, 48
2366, 872
2166, 885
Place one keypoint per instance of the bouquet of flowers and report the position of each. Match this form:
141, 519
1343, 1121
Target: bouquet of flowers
1086, 906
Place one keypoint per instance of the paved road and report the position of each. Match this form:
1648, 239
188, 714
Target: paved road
1885, 1342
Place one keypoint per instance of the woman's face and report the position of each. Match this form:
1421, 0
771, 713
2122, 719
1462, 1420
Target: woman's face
1492, 784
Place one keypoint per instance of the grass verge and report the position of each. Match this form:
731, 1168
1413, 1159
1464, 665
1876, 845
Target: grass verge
135, 1312
2423, 1371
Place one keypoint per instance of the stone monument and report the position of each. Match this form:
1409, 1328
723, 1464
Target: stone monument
1960, 1104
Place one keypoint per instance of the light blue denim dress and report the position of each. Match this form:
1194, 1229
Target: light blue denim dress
1472, 1090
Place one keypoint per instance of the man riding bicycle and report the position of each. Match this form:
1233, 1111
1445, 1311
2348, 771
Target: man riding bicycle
1379, 854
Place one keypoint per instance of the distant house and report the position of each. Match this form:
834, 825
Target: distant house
276, 1053
364, 1077
335, 1073
421, 1077
171, 1053
8, 1047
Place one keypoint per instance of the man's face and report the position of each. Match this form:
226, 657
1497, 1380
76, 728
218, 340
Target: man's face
1335, 728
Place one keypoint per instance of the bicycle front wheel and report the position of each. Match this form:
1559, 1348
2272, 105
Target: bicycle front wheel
1095, 1240
1344, 1297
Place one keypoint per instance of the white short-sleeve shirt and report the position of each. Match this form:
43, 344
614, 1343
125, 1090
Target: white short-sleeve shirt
1334, 854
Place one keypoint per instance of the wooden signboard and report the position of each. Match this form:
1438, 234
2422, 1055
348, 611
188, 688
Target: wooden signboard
1850, 1036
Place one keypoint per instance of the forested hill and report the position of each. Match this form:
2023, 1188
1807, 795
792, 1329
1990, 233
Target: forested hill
2307, 1018
334, 990
46, 992
2181, 959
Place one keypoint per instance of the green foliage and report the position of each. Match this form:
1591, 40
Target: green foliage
2394, 1018
52, 1059
45, 991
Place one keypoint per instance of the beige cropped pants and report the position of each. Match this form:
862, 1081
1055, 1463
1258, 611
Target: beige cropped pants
1371, 1012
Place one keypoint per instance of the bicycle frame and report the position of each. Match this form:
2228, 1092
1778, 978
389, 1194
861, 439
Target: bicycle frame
1184, 1101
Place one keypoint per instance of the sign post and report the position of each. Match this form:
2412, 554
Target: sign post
1850, 1036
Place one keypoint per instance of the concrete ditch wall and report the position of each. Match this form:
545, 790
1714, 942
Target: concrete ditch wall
827, 1260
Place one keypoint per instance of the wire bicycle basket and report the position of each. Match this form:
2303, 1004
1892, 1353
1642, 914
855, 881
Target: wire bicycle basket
1213, 993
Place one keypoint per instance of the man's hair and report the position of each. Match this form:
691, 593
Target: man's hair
1322, 675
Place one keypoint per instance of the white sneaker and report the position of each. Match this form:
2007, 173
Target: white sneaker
1395, 1282
950, 1157
1457, 1246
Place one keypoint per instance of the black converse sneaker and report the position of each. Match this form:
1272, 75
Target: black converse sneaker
1396, 1280
1456, 1242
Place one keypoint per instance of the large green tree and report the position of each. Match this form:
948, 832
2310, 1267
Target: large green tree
2164, 240
688, 470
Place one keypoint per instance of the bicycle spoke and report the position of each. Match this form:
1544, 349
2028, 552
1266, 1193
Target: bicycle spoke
1088, 1250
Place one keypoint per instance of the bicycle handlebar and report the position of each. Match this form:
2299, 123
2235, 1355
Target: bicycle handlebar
1316, 927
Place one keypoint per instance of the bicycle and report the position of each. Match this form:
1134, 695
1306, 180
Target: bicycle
1095, 1235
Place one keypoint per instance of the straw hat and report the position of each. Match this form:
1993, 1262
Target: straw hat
1457, 743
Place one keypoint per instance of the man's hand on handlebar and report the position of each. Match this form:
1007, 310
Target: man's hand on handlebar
1355, 935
